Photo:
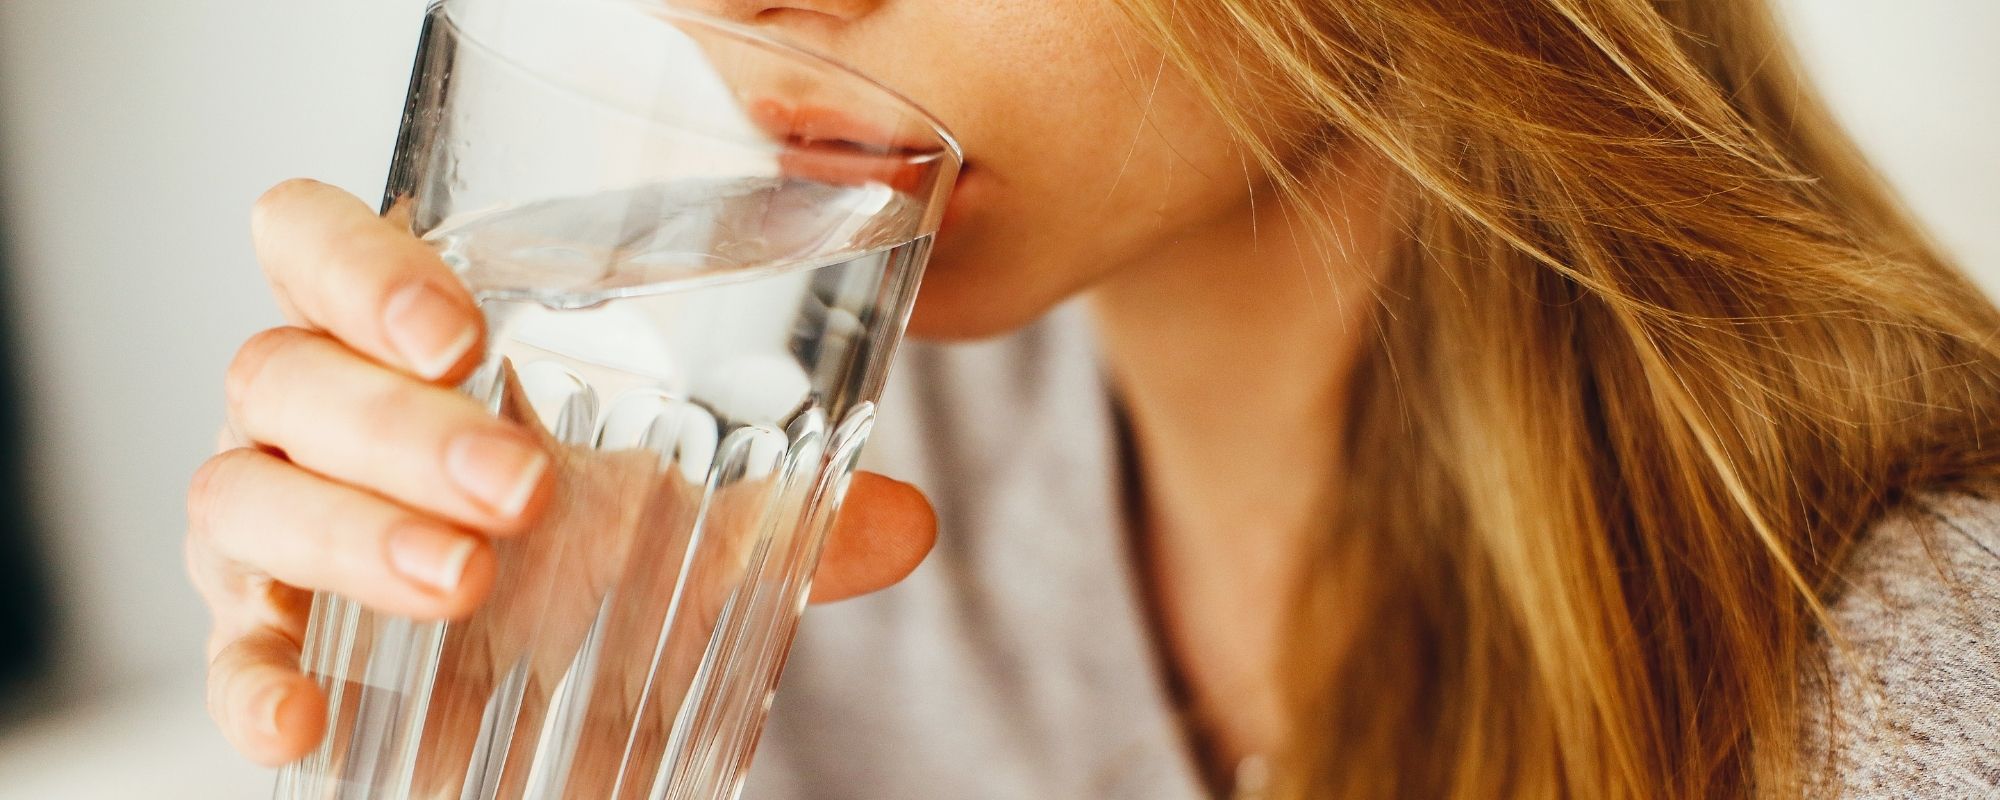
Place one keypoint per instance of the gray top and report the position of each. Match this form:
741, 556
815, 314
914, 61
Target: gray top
1916, 684
1017, 663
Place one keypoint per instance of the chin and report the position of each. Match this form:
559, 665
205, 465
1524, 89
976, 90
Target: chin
943, 315
980, 284
956, 303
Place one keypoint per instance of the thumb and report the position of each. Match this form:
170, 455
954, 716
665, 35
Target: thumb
885, 529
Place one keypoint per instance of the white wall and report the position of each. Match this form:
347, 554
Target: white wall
136, 135
133, 136
1917, 82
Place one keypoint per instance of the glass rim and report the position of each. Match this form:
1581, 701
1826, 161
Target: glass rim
674, 15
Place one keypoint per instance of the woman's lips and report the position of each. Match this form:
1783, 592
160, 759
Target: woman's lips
830, 146
822, 128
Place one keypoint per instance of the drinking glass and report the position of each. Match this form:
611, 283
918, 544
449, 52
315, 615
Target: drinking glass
695, 249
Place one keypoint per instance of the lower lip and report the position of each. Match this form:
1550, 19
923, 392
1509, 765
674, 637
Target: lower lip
955, 208
803, 126
842, 164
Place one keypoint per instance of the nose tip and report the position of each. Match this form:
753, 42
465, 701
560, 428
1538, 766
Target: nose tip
753, 11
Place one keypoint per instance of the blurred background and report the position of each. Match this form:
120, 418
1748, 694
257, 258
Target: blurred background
133, 137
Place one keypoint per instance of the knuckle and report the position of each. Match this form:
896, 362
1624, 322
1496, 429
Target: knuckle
210, 487
241, 383
227, 659
218, 581
220, 637
195, 556
274, 200
205, 489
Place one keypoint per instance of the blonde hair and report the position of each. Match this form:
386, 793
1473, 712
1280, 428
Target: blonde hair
1655, 350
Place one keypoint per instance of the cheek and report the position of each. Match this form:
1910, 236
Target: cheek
1041, 224
1022, 246
1085, 158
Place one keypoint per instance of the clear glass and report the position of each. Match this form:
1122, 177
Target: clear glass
696, 250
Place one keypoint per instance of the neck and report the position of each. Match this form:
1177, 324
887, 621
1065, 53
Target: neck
1231, 354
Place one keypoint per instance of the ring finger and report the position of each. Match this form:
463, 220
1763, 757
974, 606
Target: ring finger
260, 511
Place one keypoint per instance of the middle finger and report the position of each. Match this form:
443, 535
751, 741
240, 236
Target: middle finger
340, 415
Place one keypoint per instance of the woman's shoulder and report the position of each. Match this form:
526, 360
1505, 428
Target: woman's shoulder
1929, 568
1936, 556
1911, 699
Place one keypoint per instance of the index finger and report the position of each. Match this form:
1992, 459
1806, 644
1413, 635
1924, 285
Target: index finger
339, 268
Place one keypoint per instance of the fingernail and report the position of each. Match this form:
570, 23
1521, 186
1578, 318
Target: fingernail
430, 330
498, 469
430, 556
267, 708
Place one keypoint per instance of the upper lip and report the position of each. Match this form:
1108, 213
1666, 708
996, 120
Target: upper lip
821, 127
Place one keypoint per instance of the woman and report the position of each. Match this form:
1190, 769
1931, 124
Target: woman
1465, 398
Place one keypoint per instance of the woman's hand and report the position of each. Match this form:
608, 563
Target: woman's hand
350, 465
